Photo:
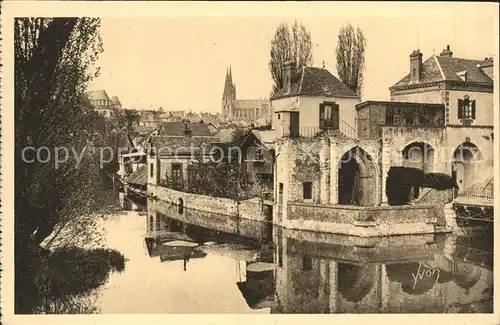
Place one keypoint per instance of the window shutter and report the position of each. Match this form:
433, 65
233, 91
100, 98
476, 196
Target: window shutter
473, 109
321, 115
335, 116
460, 108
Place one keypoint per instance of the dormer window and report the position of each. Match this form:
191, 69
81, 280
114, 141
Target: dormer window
326, 90
466, 108
463, 75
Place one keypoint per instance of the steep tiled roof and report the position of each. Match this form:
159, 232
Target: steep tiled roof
115, 100
443, 68
181, 145
267, 137
224, 135
179, 128
139, 177
317, 82
97, 95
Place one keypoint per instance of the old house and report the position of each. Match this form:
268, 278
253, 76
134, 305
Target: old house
464, 88
135, 156
312, 101
318, 157
258, 160
169, 157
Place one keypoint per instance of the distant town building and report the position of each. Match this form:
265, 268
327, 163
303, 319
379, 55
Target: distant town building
101, 102
116, 102
251, 111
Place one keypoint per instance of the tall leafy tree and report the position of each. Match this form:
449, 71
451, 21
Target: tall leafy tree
54, 62
289, 44
350, 55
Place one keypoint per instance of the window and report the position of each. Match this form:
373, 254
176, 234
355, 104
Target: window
307, 190
279, 116
259, 156
280, 188
151, 170
466, 108
328, 116
307, 264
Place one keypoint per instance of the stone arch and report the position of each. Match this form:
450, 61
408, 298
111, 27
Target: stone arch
419, 154
465, 162
358, 178
356, 281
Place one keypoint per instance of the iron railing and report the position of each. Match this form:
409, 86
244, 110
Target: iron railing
474, 193
344, 128
348, 130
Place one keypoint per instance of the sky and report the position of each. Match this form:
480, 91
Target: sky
180, 63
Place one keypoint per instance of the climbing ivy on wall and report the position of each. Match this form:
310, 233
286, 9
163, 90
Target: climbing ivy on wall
307, 167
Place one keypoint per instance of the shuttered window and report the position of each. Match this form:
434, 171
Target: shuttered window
466, 108
328, 116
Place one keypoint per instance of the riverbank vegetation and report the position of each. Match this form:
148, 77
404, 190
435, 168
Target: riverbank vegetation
58, 206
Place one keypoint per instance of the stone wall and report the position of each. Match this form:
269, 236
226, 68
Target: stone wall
361, 221
248, 209
252, 209
438, 199
194, 201
214, 221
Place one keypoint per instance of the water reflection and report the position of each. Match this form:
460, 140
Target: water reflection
193, 262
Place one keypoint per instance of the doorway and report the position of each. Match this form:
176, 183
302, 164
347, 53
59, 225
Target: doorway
294, 125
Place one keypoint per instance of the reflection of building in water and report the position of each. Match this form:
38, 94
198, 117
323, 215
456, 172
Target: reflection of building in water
376, 276
162, 215
258, 286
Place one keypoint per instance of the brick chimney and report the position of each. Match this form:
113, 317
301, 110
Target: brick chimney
289, 74
447, 52
415, 66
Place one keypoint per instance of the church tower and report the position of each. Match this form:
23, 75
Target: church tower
228, 95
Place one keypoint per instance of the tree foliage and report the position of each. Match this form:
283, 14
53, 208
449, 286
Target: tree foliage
54, 62
350, 55
128, 119
219, 179
289, 44
439, 181
399, 183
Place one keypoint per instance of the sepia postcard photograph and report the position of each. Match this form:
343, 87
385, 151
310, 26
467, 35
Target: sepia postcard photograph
162, 159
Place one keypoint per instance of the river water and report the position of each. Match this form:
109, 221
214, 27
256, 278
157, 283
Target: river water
208, 264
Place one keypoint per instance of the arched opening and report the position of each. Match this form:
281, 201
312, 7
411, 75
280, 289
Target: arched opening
466, 158
355, 282
419, 155
466, 275
416, 278
357, 179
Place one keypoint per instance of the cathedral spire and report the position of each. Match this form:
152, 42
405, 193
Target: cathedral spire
229, 87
